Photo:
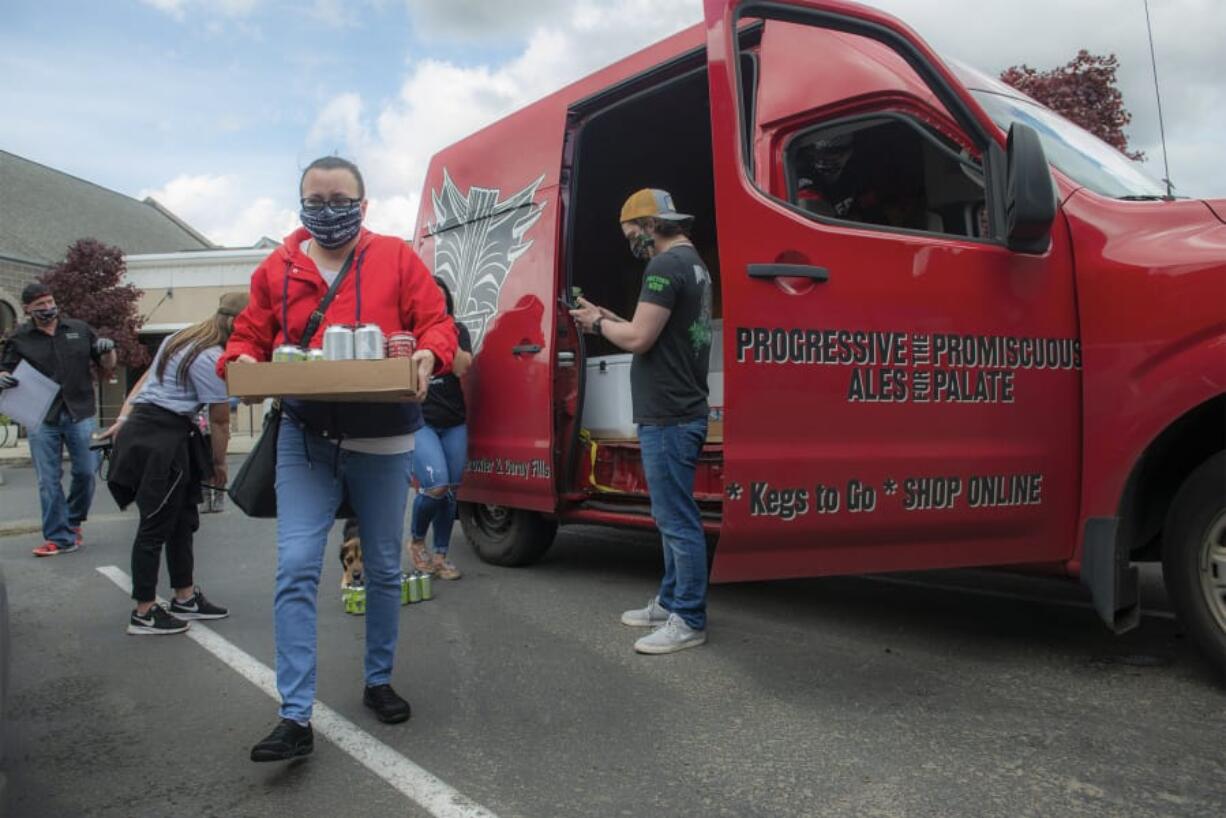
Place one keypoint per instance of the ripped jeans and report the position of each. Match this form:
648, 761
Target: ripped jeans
439, 457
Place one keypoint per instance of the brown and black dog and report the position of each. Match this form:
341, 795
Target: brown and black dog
351, 555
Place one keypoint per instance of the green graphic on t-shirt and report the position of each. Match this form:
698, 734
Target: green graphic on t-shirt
657, 283
700, 334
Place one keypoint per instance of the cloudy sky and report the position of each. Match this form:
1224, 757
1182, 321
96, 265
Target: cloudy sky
212, 106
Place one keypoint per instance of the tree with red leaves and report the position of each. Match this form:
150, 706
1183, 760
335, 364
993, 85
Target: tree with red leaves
87, 285
1084, 91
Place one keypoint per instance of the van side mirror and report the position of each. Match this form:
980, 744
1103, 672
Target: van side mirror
1030, 195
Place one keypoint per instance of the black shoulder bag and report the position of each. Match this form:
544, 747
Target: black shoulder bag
254, 487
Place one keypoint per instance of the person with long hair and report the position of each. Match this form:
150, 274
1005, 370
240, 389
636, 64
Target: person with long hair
439, 456
160, 463
333, 451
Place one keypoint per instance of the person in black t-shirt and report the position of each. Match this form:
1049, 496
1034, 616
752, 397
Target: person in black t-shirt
62, 349
440, 450
670, 336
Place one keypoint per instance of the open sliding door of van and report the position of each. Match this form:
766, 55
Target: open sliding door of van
902, 391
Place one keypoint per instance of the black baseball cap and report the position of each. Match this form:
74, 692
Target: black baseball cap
33, 292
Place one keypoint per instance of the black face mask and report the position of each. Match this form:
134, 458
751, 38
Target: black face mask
333, 227
45, 316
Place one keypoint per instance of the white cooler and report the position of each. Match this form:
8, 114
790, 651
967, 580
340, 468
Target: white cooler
607, 409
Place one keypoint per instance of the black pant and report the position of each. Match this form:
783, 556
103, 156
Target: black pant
173, 524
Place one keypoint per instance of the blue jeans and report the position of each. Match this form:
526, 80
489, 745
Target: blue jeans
312, 475
670, 457
61, 515
439, 456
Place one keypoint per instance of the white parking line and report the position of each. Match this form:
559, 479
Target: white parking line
416, 784
960, 589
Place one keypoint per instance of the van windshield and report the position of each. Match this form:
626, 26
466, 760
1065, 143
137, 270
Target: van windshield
1078, 154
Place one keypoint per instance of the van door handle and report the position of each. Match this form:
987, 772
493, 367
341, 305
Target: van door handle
526, 349
818, 274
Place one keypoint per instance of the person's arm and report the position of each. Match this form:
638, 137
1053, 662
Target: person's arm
104, 353
464, 355
639, 334
9, 358
608, 314
219, 436
126, 409
461, 362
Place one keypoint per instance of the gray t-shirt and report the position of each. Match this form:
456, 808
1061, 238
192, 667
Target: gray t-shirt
668, 383
200, 386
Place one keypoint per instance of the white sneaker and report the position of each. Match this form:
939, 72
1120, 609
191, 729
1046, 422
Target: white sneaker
672, 636
650, 617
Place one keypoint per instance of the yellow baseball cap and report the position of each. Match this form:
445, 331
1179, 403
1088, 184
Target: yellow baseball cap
652, 203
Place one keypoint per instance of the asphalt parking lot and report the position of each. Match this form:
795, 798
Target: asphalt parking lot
957, 693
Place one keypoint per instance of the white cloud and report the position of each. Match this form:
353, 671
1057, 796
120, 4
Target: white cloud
480, 19
228, 8
223, 210
440, 102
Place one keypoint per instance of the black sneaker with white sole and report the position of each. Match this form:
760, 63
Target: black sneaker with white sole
155, 622
197, 608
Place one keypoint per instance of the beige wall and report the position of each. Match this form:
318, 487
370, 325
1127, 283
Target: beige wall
181, 289
186, 305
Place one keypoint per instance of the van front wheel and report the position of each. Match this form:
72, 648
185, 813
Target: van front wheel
1194, 557
506, 536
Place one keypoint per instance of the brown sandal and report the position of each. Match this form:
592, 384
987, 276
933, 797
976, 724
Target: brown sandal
419, 557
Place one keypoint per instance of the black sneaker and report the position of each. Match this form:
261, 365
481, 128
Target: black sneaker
197, 608
388, 706
155, 622
289, 739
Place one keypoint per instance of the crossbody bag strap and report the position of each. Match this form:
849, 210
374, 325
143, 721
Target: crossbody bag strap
317, 316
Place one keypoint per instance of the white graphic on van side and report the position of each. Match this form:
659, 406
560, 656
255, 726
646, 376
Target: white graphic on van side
477, 238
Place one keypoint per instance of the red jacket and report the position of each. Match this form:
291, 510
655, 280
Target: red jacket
397, 293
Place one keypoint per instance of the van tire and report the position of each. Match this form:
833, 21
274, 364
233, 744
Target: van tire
506, 536
1196, 530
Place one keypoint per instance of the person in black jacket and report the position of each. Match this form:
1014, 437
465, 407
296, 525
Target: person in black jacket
62, 349
161, 460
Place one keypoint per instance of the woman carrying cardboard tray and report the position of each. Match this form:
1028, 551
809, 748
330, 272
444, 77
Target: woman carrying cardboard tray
326, 451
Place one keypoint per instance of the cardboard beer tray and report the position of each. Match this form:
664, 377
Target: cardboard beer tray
390, 380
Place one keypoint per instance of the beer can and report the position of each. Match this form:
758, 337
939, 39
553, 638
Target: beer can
315, 355
338, 343
368, 343
404, 588
427, 587
354, 598
288, 352
414, 587
401, 345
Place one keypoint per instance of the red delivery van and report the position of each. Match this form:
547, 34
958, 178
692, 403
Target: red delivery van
954, 329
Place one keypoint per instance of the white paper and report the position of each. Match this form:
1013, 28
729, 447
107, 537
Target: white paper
28, 401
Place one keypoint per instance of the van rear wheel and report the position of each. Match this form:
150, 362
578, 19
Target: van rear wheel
1194, 557
506, 536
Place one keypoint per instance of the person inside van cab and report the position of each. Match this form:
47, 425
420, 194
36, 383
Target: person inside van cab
670, 338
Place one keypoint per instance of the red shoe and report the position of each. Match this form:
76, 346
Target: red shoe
50, 549
80, 537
